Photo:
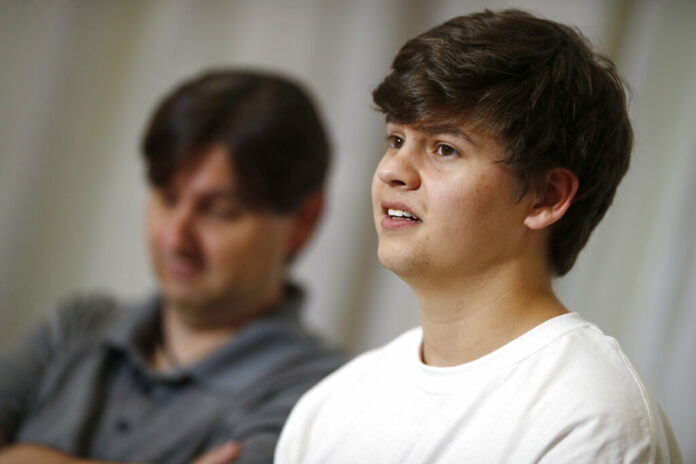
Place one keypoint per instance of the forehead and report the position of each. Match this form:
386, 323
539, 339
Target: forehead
207, 169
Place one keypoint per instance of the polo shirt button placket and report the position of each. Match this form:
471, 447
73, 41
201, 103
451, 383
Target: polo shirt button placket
122, 425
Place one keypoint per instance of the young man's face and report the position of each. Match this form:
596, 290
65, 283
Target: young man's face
208, 250
466, 217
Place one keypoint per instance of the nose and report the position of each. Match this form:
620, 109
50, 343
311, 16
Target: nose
179, 229
398, 170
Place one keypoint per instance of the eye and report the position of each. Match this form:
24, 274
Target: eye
168, 197
220, 209
395, 141
445, 150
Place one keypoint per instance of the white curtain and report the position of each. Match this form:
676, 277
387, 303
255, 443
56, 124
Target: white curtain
78, 79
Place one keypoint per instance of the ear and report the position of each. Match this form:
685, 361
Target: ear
554, 193
305, 219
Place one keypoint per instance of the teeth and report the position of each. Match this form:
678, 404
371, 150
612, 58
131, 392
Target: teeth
400, 213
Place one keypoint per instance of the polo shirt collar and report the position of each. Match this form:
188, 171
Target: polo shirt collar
133, 336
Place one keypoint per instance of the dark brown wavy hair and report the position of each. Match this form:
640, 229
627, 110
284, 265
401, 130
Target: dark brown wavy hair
537, 86
268, 124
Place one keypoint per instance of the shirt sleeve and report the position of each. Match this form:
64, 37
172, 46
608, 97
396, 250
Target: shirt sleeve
24, 367
628, 438
269, 405
300, 427
259, 432
21, 371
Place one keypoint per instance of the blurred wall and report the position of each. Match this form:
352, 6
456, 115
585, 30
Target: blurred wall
79, 78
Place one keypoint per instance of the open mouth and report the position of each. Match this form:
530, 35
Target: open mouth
403, 215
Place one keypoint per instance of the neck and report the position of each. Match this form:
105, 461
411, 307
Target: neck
188, 338
468, 317
182, 345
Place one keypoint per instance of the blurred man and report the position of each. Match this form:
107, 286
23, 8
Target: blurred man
208, 369
507, 137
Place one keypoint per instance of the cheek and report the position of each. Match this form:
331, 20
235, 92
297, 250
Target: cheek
465, 211
152, 229
484, 198
227, 246
247, 247
376, 188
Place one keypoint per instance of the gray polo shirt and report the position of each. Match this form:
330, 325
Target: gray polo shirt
80, 384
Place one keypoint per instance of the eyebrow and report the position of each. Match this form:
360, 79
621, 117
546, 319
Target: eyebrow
449, 130
231, 194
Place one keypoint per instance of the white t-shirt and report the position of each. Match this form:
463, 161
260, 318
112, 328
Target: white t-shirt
561, 393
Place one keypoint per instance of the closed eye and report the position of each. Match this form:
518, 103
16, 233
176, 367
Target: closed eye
221, 211
221, 206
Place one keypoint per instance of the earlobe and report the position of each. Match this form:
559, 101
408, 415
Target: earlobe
555, 193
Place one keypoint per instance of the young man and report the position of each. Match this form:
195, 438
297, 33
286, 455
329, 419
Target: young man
507, 139
208, 368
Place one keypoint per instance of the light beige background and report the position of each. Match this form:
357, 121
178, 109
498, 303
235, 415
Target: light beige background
78, 79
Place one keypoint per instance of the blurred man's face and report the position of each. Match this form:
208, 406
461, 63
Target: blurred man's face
211, 254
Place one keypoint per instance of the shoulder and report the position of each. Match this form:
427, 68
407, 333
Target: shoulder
81, 317
325, 401
592, 367
279, 361
379, 361
365, 368
91, 308
289, 349
586, 387
26, 368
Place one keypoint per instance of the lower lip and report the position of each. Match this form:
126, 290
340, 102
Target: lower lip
389, 222
181, 270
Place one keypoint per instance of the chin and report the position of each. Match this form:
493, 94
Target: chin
400, 263
181, 301
181, 297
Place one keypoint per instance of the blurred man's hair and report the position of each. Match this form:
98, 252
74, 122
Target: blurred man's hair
268, 125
